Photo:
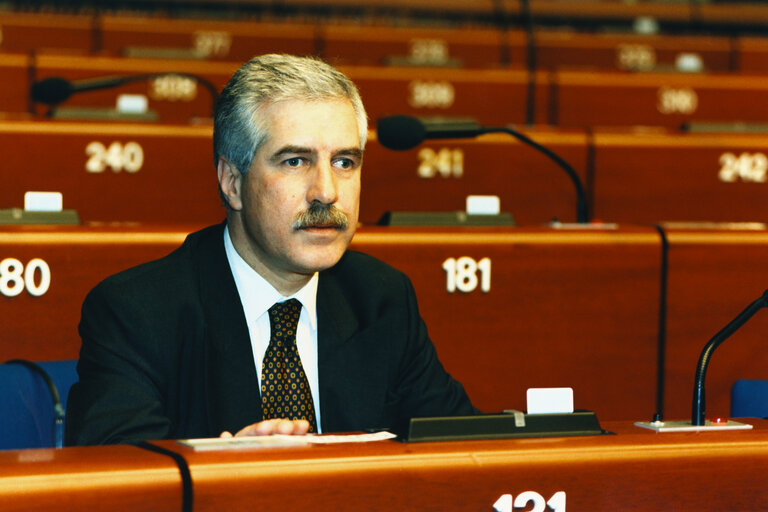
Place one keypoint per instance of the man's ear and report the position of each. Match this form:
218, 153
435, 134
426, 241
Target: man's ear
230, 184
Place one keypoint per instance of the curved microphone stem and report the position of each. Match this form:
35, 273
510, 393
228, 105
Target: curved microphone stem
109, 82
203, 81
582, 215
699, 406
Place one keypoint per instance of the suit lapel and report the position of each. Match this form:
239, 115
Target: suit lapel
233, 399
336, 325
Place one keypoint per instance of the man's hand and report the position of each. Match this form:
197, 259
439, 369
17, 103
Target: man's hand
273, 426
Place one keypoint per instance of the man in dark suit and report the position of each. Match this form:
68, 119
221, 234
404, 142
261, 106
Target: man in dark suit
195, 344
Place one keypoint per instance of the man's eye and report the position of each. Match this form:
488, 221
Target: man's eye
294, 162
345, 163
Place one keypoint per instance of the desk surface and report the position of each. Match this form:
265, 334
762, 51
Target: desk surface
635, 469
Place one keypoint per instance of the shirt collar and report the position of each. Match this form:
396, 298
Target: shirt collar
258, 293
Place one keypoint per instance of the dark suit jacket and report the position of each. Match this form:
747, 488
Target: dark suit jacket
166, 351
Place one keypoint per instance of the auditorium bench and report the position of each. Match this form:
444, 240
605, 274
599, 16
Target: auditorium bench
565, 49
123, 172
604, 472
506, 308
598, 99
647, 177
30, 31
233, 41
714, 274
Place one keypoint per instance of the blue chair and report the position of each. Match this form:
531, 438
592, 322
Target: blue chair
33, 398
749, 398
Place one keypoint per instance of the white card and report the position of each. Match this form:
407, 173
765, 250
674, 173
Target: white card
483, 205
43, 201
549, 400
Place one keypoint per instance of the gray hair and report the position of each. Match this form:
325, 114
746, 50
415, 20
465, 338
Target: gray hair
239, 130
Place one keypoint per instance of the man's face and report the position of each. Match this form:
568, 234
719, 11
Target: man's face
310, 159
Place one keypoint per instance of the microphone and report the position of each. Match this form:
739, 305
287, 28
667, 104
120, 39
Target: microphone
401, 133
405, 132
698, 409
55, 90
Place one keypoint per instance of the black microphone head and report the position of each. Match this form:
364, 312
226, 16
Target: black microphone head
400, 132
51, 91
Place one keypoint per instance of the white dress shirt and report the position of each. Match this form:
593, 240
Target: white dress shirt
257, 296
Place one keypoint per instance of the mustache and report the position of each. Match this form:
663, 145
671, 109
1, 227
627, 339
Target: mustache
319, 214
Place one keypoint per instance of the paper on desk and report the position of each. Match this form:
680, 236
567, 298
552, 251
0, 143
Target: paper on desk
233, 443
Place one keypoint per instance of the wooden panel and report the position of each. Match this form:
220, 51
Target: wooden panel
647, 178
494, 97
94, 478
173, 102
753, 54
438, 175
383, 45
739, 13
610, 99
27, 31
491, 97
594, 473
14, 88
598, 10
115, 172
713, 276
453, 7
44, 327
132, 167
236, 41
567, 49
557, 313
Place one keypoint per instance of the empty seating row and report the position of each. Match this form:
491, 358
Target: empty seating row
492, 97
121, 172
374, 44
508, 308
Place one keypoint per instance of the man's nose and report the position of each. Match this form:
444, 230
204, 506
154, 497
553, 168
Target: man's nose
323, 186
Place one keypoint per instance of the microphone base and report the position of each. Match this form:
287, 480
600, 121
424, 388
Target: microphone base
13, 216
457, 218
688, 426
511, 424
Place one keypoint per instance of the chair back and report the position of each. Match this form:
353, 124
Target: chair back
33, 401
749, 398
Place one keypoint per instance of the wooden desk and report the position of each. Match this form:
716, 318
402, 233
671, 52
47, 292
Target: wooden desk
14, 87
634, 470
390, 45
173, 99
491, 97
30, 31
753, 54
234, 41
643, 178
562, 307
602, 11
713, 275
112, 172
439, 175
93, 478
494, 97
655, 99
567, 49
121, 172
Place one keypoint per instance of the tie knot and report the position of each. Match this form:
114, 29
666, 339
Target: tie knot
284, 317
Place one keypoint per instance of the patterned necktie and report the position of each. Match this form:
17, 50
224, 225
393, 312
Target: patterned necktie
285, 390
